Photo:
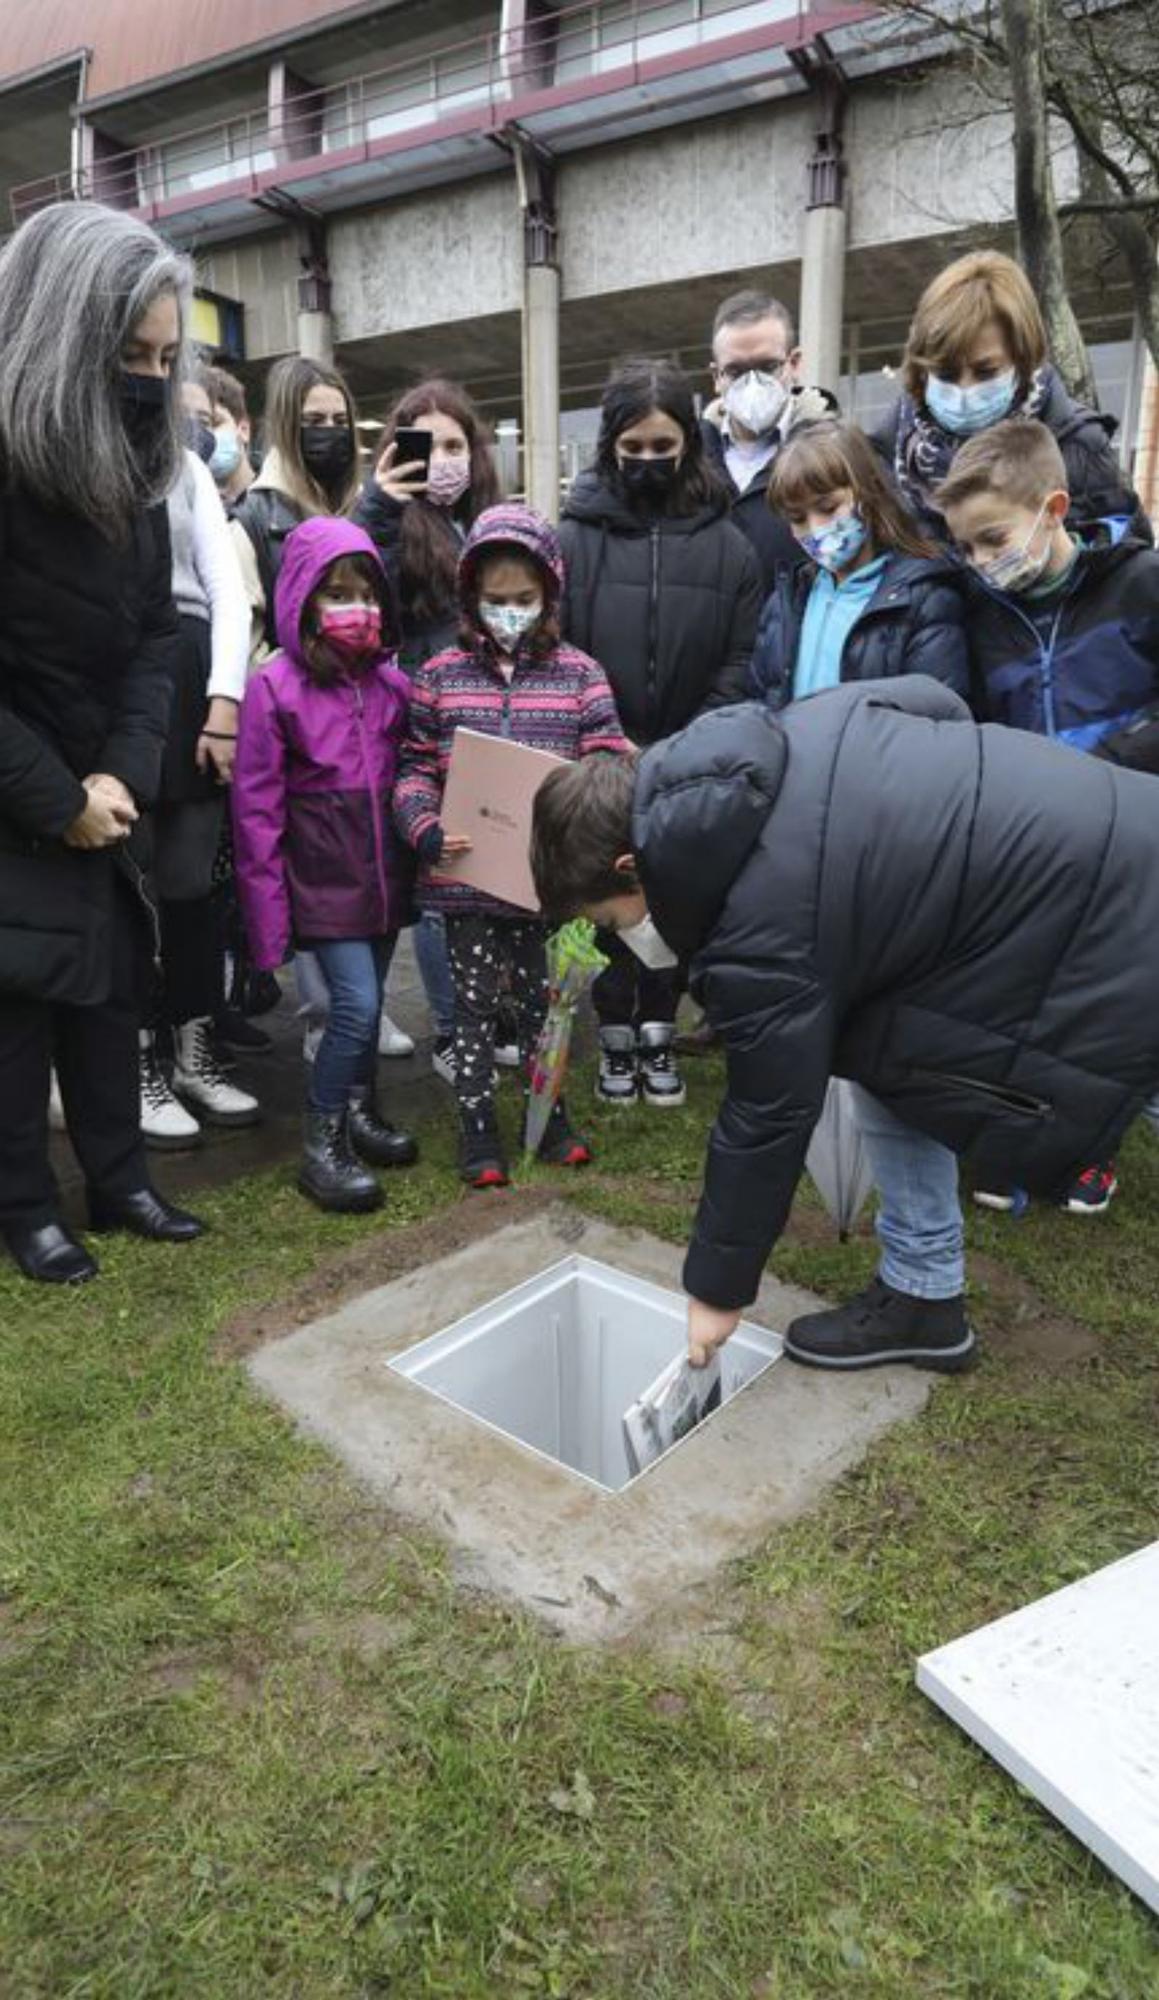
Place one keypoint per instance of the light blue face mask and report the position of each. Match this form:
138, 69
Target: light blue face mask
964, 411
839, 544
226, 455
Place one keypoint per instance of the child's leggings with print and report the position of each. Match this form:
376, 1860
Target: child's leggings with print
493, 958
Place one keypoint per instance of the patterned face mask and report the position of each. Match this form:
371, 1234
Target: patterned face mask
1016, 570
838, 545
448, 481
352, 630
509, 623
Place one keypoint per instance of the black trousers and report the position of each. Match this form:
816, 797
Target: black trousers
629, 993
95, 1050
493, 959
186, 837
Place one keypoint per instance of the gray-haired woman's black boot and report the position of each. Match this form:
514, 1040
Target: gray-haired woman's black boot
329, 1173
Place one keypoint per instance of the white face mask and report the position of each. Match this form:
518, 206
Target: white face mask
757, 401
645, 940
509, 623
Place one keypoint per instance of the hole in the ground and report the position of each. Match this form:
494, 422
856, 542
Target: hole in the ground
556, 1363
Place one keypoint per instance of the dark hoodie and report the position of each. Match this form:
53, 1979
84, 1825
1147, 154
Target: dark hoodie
668, 605
964, 920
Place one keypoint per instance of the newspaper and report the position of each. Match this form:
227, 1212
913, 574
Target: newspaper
679, 1399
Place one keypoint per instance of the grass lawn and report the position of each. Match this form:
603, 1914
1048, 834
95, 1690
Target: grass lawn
256, 1743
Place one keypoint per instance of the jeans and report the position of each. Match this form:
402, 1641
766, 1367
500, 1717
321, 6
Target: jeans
919, 1221
354, 970
430, 941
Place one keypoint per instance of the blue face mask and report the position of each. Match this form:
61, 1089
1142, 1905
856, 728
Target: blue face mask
964, 411
839, 544
226, 455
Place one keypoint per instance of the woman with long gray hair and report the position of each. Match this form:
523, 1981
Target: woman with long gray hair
91, 318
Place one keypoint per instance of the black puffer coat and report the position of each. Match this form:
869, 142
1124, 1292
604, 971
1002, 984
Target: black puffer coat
382, 519
667, 606
913, 624
963, 919
1098, 486
88, 639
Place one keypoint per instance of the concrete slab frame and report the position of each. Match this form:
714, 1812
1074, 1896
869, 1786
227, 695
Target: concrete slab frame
592, 1564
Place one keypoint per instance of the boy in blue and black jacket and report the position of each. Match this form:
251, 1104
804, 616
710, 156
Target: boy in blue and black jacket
1063, 630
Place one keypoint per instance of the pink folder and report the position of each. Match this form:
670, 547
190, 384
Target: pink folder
490, 790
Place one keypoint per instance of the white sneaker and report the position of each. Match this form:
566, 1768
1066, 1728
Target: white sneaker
165, 1123
55, 1107
311, 1040
391, 1040
199, 1076
507, 1055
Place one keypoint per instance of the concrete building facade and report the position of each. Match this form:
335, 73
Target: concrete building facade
519, 192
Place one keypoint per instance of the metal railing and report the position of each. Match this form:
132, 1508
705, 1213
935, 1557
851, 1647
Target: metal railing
478, 81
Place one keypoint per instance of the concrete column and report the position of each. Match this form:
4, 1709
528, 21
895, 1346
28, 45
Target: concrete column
316, 336
541, 288
823, 295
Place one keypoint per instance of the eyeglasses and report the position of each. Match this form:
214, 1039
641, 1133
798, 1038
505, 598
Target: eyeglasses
770, 365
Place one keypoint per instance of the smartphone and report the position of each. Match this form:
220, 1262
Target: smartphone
411, 445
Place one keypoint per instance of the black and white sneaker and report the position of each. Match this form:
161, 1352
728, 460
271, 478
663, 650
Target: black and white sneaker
881, 1325
661, 1083
617, 1082
443, 1059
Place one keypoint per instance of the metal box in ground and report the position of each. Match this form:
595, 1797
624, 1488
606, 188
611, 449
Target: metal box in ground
555, 1362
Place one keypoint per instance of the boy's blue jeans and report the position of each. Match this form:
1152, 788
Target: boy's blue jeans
430, 941
354, 970
919, 1221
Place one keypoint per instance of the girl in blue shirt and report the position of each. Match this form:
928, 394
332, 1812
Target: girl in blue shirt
871, 597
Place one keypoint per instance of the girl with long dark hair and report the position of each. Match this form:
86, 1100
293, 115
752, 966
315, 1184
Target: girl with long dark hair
665, 593
420, 518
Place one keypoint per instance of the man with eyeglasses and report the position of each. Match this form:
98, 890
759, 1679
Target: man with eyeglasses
759, 398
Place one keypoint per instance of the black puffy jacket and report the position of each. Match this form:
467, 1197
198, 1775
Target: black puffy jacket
668, 606
88, 650
1098, 487
964, 919
382, 519
913, 624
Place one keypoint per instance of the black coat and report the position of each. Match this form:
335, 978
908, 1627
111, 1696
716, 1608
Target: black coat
913, 624
1095, 480
964, 920
88, 639
668, 606
382, 519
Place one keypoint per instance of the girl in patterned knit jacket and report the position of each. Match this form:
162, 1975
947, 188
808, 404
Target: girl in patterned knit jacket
510, 676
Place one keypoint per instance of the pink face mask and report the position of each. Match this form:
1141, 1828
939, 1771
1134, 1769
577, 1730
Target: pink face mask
449, 480
352, 630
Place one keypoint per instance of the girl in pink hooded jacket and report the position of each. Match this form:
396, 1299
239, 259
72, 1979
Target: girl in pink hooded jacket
318, 862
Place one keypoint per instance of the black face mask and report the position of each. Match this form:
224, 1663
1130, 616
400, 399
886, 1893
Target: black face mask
200, 439
649, 480
145, 413
327, 452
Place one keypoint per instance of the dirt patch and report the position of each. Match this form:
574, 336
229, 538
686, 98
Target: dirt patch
378, 1261
182, 1672
369, 1634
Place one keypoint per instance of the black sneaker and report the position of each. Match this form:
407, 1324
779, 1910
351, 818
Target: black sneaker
482, 1162
560, 1146
883, 1325
1094, 1191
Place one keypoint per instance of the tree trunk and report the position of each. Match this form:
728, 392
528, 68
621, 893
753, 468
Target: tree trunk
1039, 233
1137, 251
